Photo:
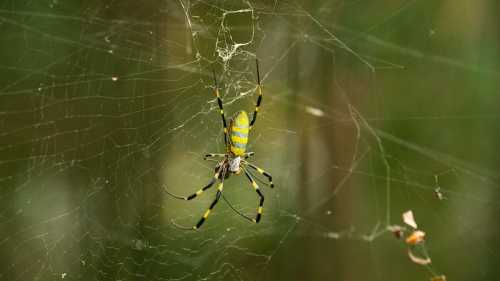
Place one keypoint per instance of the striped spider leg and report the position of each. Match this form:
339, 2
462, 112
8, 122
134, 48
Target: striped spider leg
219, 175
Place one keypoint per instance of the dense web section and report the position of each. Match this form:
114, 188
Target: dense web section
106, 104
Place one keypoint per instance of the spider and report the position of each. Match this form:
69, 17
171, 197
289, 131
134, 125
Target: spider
234, 160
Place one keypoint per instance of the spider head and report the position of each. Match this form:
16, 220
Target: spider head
234, 165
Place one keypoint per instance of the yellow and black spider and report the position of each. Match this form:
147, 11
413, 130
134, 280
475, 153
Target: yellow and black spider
234, 160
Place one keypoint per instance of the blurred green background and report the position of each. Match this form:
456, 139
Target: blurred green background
371, 108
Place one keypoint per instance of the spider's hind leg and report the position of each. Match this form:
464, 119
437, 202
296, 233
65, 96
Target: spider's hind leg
261, 202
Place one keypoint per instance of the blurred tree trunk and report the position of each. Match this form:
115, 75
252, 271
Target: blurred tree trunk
332, 144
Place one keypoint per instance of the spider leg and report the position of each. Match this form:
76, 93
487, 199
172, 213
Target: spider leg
208, 155
194, 195
248, 154
235, 210
211, 160
258, 179
259, 91
261, 202
212, 205
219, 102
261, 171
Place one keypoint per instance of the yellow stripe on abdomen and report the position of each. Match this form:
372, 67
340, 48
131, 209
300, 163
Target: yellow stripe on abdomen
240, 140
237, 151
239, 133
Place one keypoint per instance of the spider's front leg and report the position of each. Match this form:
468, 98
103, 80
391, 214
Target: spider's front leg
219, 102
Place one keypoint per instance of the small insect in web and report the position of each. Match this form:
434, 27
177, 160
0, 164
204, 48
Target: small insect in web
233, 161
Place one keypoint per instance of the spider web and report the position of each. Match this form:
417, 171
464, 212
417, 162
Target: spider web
369, 110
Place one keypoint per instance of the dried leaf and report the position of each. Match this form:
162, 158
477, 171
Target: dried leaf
418, 260
409, 219
416, 237
438, 193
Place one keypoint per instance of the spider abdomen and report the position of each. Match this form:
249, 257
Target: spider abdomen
239, 128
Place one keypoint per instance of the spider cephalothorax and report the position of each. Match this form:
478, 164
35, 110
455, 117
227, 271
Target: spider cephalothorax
231, 164
234, 160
